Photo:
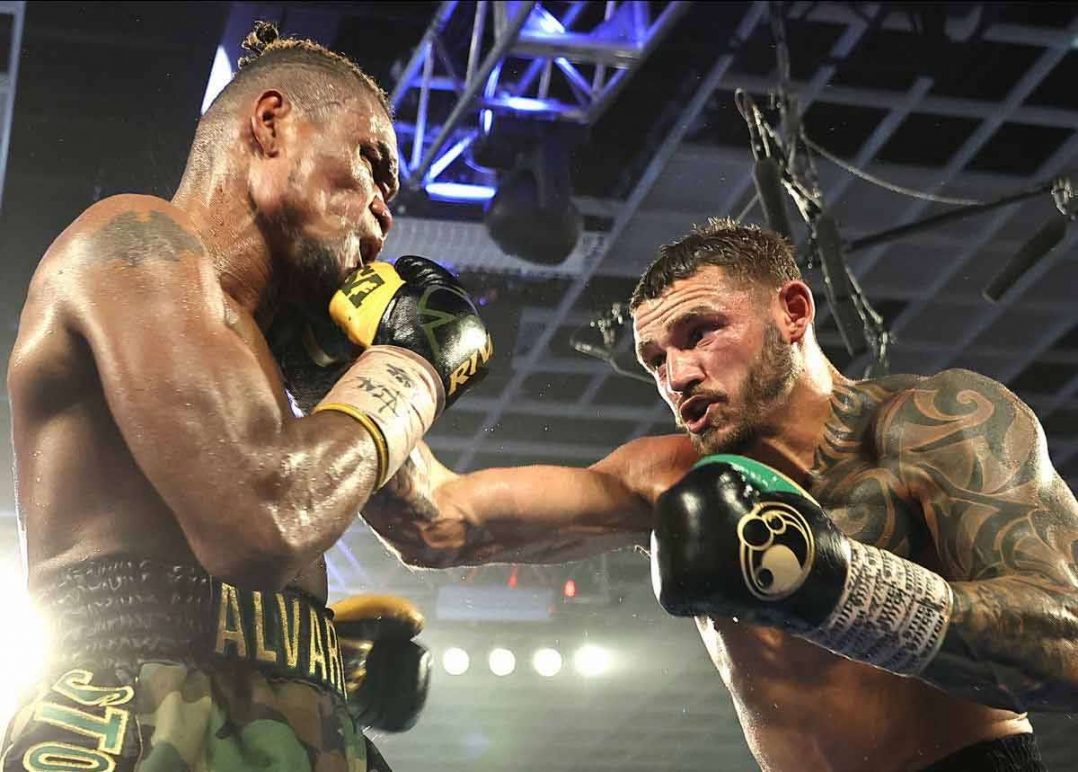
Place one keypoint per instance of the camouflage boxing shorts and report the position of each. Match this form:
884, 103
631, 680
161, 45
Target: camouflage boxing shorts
163, 669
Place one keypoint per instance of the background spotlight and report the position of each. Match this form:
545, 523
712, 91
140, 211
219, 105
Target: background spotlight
591, 660
24, 641
547, 662
455, 661
502, 662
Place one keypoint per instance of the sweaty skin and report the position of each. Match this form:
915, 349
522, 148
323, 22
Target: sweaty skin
149, 418
950, 471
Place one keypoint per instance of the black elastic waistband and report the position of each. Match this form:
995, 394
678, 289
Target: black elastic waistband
1014, 753
118, 612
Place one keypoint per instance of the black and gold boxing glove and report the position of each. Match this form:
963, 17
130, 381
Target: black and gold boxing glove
423, 344
736, 538
387, 673
417, 305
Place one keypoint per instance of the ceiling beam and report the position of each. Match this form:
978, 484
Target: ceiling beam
659, 160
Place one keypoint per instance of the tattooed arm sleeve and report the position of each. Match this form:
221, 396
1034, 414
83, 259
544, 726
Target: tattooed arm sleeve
1006, 530
434, 518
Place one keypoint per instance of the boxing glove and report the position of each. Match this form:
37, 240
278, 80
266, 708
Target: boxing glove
735, 538
419, 306
725, 546
423, 344
387, 673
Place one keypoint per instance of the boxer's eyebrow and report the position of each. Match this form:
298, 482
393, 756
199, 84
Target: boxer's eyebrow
693, 314
675, 325
388, 162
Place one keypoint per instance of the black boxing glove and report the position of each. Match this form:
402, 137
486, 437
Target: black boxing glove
735, 538
387, 673
423, 345
419, 306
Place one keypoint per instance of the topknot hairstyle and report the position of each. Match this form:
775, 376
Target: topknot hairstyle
267, 52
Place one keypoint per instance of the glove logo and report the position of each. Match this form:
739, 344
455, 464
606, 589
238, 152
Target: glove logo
361, 284
475, 340
777, 550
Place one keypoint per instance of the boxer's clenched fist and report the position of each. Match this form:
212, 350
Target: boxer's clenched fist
419, 306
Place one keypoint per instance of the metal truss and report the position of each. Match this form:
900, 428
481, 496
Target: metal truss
16, 10
517, 56
1055, 44
658, 163
965, 251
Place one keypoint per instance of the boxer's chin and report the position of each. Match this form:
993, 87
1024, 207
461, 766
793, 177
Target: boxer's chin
726, 439
317, 273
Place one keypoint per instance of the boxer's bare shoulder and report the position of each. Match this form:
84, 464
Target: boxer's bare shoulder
647, 466
85, 274
126, 299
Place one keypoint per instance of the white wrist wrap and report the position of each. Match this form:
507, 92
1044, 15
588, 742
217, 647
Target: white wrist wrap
892, 614
395, 395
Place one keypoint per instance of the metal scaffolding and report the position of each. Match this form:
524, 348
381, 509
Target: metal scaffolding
16, 11
520, 60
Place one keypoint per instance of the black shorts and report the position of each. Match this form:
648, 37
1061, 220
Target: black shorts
164, 668
1015, 753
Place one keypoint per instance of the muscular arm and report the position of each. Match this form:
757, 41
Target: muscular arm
535, 514
1006, 530
258, 493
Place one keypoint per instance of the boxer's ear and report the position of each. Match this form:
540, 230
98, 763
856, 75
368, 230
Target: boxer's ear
269, 110
797, 309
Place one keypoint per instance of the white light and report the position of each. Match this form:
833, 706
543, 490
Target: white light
450, 155
24, 642
458, 191
502, 662
220, 75
591, 660
456, 661
547, 662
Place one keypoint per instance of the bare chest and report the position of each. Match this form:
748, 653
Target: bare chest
245, 327
870, 504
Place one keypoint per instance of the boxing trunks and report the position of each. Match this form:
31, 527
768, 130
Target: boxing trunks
1015, 753
157, 667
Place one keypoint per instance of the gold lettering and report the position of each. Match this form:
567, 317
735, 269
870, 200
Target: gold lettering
317, 654
333, 658
289, 634
261, 652
470, 366
460, 376
225, 633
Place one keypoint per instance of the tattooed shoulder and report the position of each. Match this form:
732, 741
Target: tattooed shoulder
976, 458
138, 237
849, 433
854, 480
958, 409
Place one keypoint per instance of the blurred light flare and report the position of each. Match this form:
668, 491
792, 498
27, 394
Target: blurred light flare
24, 642
591, 660
456, 661
547, 662
502, 662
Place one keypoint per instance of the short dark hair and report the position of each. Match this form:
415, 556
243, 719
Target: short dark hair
314, 74
747, 253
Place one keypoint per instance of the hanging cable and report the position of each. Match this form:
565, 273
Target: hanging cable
816, 148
